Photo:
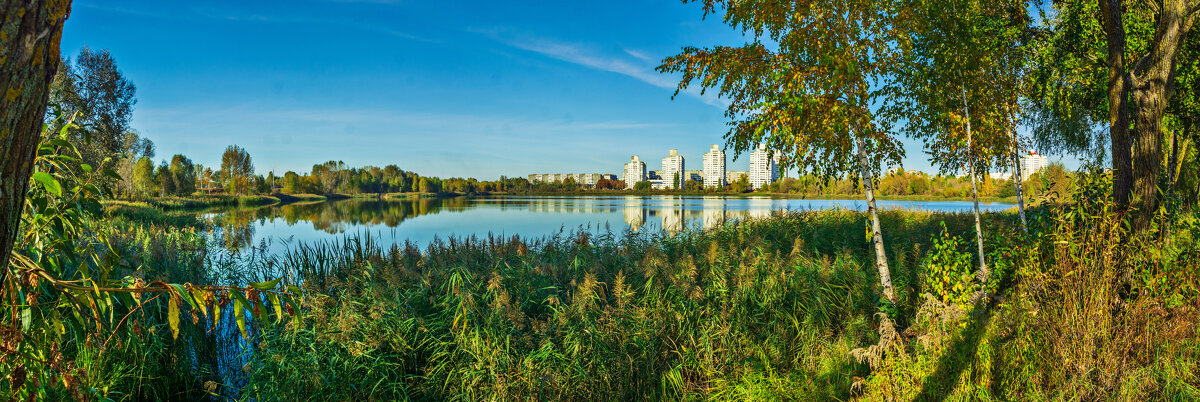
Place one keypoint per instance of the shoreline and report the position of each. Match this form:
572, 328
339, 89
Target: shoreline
193, 203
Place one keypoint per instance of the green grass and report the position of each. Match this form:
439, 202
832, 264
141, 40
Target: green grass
198, 202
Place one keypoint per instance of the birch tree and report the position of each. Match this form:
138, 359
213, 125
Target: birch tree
803, 85
949, 89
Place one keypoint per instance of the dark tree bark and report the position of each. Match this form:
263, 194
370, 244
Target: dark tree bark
1118, 100
1148, 81
29, 58
1153, 79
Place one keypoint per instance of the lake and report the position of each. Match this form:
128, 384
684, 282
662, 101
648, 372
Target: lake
420, 221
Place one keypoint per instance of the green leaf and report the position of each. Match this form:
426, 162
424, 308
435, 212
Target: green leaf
216, 316
240, 315
61, 143
278, 307
184, 294
268, 285
48, 182
112, 174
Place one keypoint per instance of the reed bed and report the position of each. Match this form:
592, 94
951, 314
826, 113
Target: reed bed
785, 307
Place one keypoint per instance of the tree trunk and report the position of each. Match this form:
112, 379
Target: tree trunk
1171, 176
1118, 101
1153, 80
885, 274
983, 273
29, 58
1016, 177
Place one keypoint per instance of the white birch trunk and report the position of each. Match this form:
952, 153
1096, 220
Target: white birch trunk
885, 274
1017, 179
983, 273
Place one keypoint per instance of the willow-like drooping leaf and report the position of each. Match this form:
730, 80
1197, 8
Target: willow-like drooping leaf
48, 182
240, 316
201, 297
173, 315
268, 285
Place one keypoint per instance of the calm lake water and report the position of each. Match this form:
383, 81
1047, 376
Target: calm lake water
420, 221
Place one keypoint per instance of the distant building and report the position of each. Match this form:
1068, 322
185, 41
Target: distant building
635, 171
732, 176
693, 175
764, 167
1033, 163
714, 167
586, 179
672, 166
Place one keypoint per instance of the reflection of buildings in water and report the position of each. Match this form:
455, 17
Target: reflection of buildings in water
672, 215
579, 205
759, 207
635, 212
713, 212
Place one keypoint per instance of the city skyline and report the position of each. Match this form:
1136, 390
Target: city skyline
762, 168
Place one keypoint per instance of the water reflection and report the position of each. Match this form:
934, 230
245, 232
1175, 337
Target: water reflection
635, 212
420, 220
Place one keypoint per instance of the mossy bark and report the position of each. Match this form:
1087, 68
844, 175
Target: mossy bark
29, 58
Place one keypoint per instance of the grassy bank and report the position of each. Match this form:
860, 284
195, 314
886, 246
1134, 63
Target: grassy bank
198, 202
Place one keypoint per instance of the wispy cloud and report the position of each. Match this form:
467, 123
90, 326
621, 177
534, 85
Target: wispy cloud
641, 69
640, 56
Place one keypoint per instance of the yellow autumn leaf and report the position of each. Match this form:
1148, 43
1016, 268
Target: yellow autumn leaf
173, 315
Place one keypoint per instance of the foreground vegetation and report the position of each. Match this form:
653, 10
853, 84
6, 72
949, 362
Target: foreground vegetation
784, 307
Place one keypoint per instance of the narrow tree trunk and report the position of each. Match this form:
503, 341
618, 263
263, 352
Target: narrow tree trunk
1118, 101
885, 274
1016, 177
1171, 172
29, 58
983, 273
1017, 182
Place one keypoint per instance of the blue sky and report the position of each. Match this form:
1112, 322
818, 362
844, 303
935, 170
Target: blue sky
447, 88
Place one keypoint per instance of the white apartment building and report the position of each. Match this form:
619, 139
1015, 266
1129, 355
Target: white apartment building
586, 179
635, 171
764, 167
1032, 163
672, 166
714, 167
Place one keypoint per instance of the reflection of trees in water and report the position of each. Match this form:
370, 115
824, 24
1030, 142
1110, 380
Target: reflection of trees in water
675, 213
236, 228
337, 216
